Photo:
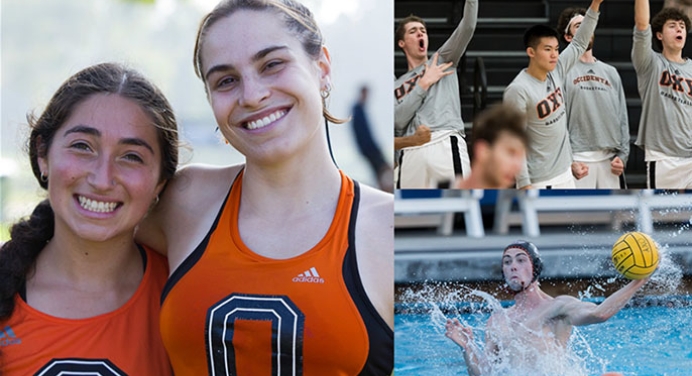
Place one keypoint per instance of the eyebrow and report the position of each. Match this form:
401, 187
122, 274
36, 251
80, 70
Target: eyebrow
97, 133
257, 56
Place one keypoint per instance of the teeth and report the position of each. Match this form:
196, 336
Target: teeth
263, 122
97, 206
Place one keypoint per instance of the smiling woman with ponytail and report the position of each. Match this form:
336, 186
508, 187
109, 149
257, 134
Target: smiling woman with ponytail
76, 291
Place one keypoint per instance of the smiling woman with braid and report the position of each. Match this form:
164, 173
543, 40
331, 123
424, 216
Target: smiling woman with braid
77, 294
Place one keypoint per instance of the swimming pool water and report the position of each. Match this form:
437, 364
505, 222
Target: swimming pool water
637, 341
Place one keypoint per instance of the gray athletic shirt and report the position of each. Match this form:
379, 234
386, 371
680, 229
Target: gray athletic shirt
440, 106
666, 91
596, 109
548, 154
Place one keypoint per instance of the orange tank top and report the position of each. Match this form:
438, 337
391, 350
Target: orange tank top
126, 341
229, 311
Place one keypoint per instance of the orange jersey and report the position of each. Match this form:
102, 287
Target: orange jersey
229, 311
126, 341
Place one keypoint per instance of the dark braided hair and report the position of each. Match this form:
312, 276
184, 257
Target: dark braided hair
18, 255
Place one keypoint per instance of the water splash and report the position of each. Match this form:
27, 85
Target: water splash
667, 277
438, 301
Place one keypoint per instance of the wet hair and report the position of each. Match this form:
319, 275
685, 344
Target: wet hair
29, 236
498, 119
564, 18
532, 251
665, 15
533, 35
401, 27
298, 20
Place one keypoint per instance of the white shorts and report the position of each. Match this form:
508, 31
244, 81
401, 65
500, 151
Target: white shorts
435, 164
599, 176
564, 180
669, 173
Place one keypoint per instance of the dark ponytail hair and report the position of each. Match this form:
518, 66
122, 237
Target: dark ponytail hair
17, 256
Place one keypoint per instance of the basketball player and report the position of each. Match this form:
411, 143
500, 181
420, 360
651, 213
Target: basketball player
429, 94
664, 81
499, 148
596, 112
537, 92
283, 265
536, 329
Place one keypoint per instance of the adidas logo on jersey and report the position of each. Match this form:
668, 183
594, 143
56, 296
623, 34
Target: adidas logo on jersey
7, 337
309, 276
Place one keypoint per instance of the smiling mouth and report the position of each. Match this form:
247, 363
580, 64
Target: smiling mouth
263, 122
96, 206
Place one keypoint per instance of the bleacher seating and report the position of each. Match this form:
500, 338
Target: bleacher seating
498, 40
446, 205
642, 202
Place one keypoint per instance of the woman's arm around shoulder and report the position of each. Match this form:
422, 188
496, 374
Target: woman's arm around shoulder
187, 208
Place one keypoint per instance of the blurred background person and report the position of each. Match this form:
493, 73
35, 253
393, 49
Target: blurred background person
683, 5
367, 145
498, 148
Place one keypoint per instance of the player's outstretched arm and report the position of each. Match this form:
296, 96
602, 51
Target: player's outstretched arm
642, 54
581, 313
641, 14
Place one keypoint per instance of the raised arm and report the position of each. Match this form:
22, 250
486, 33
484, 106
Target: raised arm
571, 54
581, 313
642, 54
455, 46
641, 14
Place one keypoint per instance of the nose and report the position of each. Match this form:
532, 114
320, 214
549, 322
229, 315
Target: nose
254, 92
102, 177
516, 164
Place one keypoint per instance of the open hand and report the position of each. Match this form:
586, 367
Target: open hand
461, 335
434, 72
